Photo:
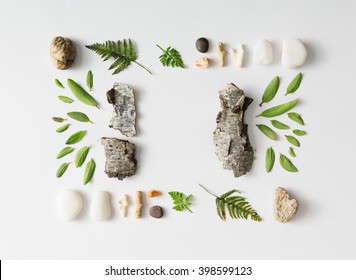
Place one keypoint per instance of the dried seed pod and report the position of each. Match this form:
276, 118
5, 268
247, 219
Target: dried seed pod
139, 205
222, 53
62, 52
153, 193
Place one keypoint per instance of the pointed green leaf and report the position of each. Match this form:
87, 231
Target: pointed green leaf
90, 80
287, 164
65, 99
279, 125
62, 169
267, 131
79, 116
291, 152
296, 117
89, 171
294, 84
58, 83
65, 151
270, 158
299, 132
76, 137
58, 119
278, 110
81, 156
62, 128
270, 91
81, 94
291, 139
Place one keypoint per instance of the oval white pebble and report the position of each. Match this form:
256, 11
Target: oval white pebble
100, 208
70, 204
263, 53
294, 53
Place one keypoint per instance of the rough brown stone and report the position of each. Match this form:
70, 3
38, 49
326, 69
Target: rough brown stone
62, 52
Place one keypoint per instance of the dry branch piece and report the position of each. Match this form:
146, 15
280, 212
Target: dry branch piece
139, 205
238, 55
62, 52
123, 205
230, 136
222, 53
122, 97
120, 157
285, 207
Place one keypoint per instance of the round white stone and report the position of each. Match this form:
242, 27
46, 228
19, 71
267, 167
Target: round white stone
70, 204
100, 208
263, 53
294, 53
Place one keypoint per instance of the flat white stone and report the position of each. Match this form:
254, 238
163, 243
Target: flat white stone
69, 204
294, 53
263, 53
100, 209
238, 55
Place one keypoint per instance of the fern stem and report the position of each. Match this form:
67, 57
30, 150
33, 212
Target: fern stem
134, 61
160, 48
186, 207
208, 191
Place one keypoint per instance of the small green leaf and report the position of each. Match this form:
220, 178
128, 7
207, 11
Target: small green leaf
81, 94
270, 91
90, 80
76, 137
58, 83
65, 99
278, 110
291, 139
291, 152
181, 201
58, 119
294, 84
279, 125
62, 169
89, 171
81, 156
299, 132
267, 131
270, 158
287, 164
62, 128
65, 151
79, 116
296, 117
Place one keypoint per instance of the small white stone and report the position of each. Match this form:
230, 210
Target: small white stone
100, 208
238, 55
70, 204
263, 53
285, 207
294, 53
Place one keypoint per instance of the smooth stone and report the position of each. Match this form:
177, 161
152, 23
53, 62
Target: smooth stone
100, 209
156, 212
202, 45
263, 53
294, 53
70, 204
285, 207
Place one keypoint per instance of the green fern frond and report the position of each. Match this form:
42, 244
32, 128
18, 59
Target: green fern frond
122, 51
171, 57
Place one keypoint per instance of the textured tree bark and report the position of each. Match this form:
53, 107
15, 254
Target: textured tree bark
120, 158
230, 136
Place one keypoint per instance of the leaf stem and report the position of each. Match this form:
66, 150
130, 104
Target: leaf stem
186, 207
160, 48
134, 61
208, 191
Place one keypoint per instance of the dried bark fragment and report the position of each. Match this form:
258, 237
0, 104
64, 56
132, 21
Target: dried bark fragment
122, 97
230, 136
120, 158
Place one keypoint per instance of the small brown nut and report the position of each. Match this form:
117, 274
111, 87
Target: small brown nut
153, 193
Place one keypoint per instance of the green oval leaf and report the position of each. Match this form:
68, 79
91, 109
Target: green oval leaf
65, 99
76, 137
58, 83
279, 125
299, 132
62, 128
296, 117
294, 84
270, 158
291, 139
278, 110
65, 151
62, 169
291, 152
270, 91
287, 164
79, 116
89, 171
58, 119
81, 156
267, 131
81, 94
90, 80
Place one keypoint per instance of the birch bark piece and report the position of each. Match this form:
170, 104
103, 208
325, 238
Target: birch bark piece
120, 158
285, 207
62, 52
122, 97
232, 145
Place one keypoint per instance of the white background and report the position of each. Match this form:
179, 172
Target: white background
176, 117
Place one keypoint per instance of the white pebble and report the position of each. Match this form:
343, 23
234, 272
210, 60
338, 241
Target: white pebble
100, 208
294, 53
70, 204
238, 55
263, 53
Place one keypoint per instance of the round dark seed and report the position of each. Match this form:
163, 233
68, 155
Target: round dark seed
156, 212
202, 45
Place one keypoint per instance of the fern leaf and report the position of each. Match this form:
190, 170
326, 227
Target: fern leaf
171, 57
181, 201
